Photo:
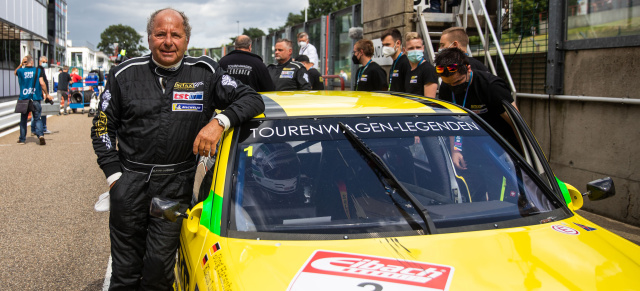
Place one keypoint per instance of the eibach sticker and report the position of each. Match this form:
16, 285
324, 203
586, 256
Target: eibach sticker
326, 270
564, 229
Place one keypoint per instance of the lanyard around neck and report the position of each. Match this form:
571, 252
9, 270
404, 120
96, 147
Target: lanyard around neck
393, 68
359, 75
464, 102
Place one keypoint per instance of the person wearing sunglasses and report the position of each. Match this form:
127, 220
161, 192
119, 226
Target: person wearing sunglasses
421, 79
370, 77
457, 37
478, 91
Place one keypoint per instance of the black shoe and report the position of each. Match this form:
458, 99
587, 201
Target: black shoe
42, 142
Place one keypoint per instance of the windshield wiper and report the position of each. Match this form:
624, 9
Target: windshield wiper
387, 177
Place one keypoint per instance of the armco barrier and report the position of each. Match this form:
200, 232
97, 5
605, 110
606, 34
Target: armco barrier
7, 116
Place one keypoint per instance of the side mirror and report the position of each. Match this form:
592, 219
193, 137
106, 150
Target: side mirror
166, 209
600, 189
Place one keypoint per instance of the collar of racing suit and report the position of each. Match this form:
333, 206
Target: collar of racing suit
173, 67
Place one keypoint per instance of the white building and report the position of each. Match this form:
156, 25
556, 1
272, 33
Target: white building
23, 25
86, 58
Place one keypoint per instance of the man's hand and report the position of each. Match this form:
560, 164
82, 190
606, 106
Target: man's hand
458, 160
207, 139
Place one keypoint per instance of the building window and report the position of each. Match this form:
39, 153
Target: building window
342, 45
76, 59
589, 19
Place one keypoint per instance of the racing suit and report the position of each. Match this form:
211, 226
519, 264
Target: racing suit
156, 114
289, 76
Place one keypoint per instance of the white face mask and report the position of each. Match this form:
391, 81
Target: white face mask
302, 44
388, 51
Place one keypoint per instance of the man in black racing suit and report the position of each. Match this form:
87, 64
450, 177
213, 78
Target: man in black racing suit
158, 108
287, 75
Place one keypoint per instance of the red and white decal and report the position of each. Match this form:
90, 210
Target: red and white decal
327, 270
565, 229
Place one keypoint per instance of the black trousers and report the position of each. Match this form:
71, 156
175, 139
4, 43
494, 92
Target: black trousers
143, 248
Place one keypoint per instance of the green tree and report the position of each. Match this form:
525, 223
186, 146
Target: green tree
125, 36
317, 9
253, 32
526, 14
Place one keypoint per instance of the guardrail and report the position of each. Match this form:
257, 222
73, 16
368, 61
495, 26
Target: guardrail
8, 118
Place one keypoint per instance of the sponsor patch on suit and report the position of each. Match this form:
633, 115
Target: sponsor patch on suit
187, 107
287, 74
188, 95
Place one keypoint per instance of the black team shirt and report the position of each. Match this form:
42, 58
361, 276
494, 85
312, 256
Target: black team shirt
484, 97
398, 72
415, 80
315, 79
249, 69
371, 78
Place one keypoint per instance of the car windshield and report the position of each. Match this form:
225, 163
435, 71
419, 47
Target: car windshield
302, 176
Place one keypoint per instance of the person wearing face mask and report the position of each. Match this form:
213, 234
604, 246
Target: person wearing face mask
43, 63
421, 79
307, 49
478, 91
457, 37
370, 77
392, 47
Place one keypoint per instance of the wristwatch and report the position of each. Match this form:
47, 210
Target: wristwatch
220, 122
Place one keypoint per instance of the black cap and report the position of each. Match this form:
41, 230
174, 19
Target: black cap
302, 58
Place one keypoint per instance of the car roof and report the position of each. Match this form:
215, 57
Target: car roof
292, 104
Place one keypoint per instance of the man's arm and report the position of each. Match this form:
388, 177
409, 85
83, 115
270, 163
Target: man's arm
24, 62
313, 56
264, 78
238, 103
382, 79
303, 83
430, 90
104, 130
43, 85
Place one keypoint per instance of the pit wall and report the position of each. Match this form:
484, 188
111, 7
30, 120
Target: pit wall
592, 140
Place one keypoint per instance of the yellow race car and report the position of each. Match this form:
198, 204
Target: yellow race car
358, 191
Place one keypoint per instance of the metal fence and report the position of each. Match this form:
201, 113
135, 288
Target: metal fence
524, 42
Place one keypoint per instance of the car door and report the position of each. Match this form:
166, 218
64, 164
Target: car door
200, 236
532, 152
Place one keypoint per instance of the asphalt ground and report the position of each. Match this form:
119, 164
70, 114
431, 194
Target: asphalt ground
51, 238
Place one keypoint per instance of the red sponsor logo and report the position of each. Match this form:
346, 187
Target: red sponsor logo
380, 269
564, 229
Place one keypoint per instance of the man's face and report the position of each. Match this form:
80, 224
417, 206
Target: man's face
415, 44
43, 61
446, 42
282, 52
388, 41
303, 38
168, 40
457, 78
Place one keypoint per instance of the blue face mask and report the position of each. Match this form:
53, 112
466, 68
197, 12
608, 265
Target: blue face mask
44, 65
415, 56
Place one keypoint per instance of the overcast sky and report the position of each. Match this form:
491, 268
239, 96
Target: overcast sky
213, 22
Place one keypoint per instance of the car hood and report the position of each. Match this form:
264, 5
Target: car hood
572, 254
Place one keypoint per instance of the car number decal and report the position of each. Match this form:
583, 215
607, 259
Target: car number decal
326, 270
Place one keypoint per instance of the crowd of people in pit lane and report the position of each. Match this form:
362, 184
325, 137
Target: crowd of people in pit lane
135, 171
